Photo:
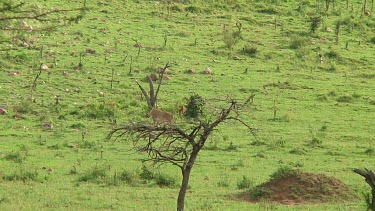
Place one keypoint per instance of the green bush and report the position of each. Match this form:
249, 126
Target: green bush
23, 175
245, 183
95, 174
283, 172
165, 181
146, 174
345, 99
126, 176
224, 182
100, 111
249, 50
195, 106
297, 42
15, 157
332, 54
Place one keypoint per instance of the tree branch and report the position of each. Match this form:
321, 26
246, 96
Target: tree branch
37, 16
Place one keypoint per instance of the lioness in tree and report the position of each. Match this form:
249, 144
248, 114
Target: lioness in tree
161, 117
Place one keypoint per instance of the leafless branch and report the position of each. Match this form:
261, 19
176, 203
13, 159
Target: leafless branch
39, 16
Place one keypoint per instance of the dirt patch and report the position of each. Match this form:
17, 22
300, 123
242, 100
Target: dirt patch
299, 188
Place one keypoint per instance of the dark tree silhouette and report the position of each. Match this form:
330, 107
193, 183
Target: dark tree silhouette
370, 180
174, 144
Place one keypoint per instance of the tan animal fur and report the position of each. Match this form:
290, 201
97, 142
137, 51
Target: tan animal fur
161, 117
181, 109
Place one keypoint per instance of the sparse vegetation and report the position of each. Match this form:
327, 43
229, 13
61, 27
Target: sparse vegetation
245, 183
68, 79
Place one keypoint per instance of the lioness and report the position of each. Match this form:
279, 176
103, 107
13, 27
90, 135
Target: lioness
161, 117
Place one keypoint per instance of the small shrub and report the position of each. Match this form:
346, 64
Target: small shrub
23, 175
77, 125
175, 8
315, 22
315, 142
369, 151
55, 147
260, 193
165, 181
372, 40
126, 176
245, 183
332, 55
24, 107
345, 99
231, 147
195, 106
146, 174
297, 42
87, 144
297, 151
283, 172
333, 67
224, 182
213, 147
193, 9
257, 143
229, 39
94, 174
332, 94
249, 50
322, 98
238, 165
323, 128
15, 157
100, 111
269, 10
19, 57
355, 95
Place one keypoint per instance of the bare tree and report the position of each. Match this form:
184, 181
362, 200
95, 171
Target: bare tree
20, 17
152, 96
176, 145
370, 180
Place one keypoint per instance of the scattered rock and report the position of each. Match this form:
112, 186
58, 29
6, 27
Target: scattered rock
14, 74
90, 51
44, 67
236, 58
166, 70
3, 111
18, 116
207, 71
47, 125
167, 77
153, 77
191, 71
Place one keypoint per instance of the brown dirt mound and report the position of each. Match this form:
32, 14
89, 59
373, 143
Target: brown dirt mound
299, 188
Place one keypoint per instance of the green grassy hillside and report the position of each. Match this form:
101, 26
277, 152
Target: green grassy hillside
313, 107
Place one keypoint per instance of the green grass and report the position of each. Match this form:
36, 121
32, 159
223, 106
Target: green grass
324, 111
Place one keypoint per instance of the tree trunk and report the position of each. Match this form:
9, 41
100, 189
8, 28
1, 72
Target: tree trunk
185, 178
183, 189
